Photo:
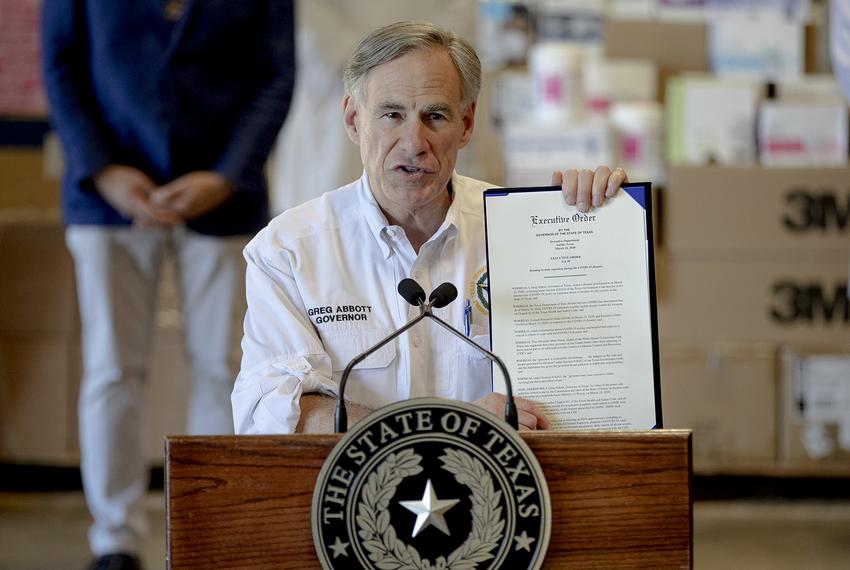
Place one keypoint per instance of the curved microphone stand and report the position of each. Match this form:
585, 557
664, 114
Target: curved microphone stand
440, 297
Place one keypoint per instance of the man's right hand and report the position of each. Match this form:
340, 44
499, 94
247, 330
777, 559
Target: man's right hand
529, 415
128, 190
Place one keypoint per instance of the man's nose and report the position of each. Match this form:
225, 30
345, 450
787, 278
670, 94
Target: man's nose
414, 138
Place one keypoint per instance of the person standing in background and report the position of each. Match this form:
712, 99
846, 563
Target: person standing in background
167, 110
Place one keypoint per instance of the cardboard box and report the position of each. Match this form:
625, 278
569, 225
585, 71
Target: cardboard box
744, 300
815, 400
757, 213
36, 403
726, 394
37, 289
24, 182
673, 47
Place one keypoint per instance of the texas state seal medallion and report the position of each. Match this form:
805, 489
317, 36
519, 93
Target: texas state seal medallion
427, 484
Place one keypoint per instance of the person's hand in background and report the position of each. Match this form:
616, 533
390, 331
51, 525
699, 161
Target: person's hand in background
129, 191
192, 194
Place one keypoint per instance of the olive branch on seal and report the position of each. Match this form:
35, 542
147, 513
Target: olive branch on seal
379, 537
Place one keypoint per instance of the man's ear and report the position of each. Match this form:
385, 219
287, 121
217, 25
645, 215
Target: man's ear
349, 114
468, 120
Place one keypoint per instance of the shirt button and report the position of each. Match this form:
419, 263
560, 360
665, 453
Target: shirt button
391, 232
417, 341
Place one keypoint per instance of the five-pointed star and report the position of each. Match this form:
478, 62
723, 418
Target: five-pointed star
429, 510
524, 541
339, 547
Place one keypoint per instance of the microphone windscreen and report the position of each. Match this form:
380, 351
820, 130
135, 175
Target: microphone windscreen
411, 291
443, 295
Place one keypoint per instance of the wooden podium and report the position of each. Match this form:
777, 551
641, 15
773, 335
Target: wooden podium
619, 499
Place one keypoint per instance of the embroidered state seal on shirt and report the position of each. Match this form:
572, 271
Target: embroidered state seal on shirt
479, 291
427, 484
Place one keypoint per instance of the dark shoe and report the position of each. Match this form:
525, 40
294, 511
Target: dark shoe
116, 561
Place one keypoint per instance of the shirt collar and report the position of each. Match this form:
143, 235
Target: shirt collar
381, 228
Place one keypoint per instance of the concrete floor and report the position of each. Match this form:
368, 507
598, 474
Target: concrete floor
47, 531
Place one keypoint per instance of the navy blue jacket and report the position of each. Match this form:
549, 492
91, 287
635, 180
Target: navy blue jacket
208, 92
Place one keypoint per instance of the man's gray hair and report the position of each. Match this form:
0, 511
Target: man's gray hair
395, 40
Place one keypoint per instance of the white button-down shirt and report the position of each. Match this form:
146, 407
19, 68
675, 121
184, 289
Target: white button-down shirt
321, 287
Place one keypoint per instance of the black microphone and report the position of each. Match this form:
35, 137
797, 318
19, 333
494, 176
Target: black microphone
413, 293
442, 295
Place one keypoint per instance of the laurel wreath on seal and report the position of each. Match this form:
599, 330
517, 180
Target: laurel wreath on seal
379, 537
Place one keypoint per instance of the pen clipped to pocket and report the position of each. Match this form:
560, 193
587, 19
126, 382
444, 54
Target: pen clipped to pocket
467, 318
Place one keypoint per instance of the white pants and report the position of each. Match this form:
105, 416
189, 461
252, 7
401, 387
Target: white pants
117, 272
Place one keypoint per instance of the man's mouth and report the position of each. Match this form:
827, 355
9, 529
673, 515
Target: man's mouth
412, 169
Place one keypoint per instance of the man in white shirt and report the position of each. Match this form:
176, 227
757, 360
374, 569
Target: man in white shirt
322, 276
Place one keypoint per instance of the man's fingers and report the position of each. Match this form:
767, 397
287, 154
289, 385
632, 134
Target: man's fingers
530, 415
527, 420
618, 178
569, 185
600, 185
584, 190
557, 178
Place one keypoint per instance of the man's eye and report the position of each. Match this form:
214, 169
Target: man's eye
392, 115
436, 116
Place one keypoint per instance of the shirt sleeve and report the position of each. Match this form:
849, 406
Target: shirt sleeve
282, 355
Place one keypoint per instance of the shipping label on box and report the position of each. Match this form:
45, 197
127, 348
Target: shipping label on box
816, 408
726, 394
757, 213
789, 301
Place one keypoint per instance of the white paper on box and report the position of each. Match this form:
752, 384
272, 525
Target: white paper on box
816, 441
792, 134
712, 120
762, 47
533, 152
823, 385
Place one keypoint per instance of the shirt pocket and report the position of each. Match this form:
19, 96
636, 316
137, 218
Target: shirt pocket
474, 366
342, 345
480, 335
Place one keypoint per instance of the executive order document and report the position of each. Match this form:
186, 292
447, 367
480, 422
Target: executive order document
572, 306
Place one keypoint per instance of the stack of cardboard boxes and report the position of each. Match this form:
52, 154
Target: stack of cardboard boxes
752, 277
